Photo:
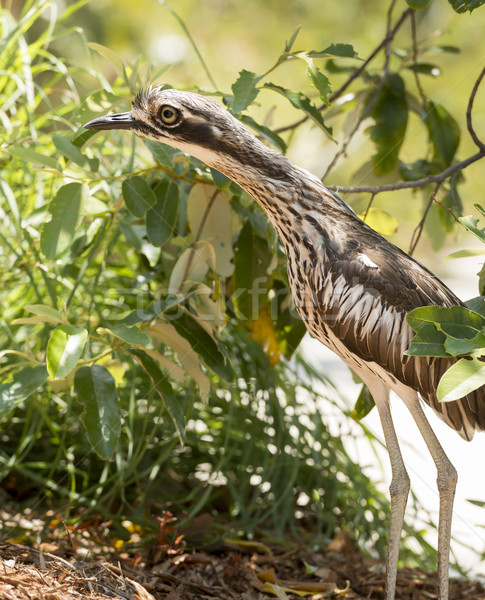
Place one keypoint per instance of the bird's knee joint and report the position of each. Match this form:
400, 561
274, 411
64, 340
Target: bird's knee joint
399, 486
447, 478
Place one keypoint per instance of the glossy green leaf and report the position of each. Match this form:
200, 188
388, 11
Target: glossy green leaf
251, 280
65, 209
390, 114
462, 6
477, 304
463, 377
443, 131
364, 404
64, 349
162, 386
96, 391
467, 344
244, 90
24, 383
472, 225
428, 341
456, 315
138, 195
162, 217
302, 102
212, 353
289, 331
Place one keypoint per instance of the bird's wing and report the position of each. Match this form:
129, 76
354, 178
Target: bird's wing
368, 289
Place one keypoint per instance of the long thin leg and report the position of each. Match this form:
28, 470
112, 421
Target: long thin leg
447, 478
399, 488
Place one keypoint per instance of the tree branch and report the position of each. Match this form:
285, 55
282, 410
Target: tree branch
402, 185
469, 124
357, 72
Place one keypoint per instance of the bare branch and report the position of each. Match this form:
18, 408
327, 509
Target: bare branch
469, 124
402, 185
420, 226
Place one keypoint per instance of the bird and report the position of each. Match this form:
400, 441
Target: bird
351, 286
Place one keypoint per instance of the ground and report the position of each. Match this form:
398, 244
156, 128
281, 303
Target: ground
225, 571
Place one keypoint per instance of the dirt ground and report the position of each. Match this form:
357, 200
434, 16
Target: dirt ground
226, 571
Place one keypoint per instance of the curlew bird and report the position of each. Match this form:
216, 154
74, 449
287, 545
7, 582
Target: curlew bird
351, 287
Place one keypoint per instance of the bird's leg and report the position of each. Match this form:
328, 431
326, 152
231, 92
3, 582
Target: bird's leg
447, 478
399, 488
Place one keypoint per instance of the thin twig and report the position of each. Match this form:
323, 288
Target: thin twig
356, 73
415, 59
469, 124
198, 234
420, 226
370, 104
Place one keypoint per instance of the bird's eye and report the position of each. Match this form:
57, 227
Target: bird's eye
169, 115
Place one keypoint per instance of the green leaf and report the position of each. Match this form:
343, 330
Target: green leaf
96, 391
138, 195
163, 153
64, 350
425, 69
72, 152
51, 315
365, 403
203, 343
466, 253
244, 90
456, 315
251, 280
318, 80
24, 383
31, 156
163, 388
418, 170
302, 102
220, 181
291, 41
380, 220
472, 225
461, 6
265, 132
428, 341
443, 131
289, 331
459, 345
463, 377
390, 113
65, 209
340, 50
477, 305
131, 335
162, 217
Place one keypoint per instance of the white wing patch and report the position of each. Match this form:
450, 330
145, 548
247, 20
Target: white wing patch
367, 261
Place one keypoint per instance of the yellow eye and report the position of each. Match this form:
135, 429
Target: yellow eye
169, 114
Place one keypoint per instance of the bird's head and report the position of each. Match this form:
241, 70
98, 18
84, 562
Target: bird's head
196, 125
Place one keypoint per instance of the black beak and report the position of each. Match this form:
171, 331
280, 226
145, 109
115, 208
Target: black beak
117, 121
